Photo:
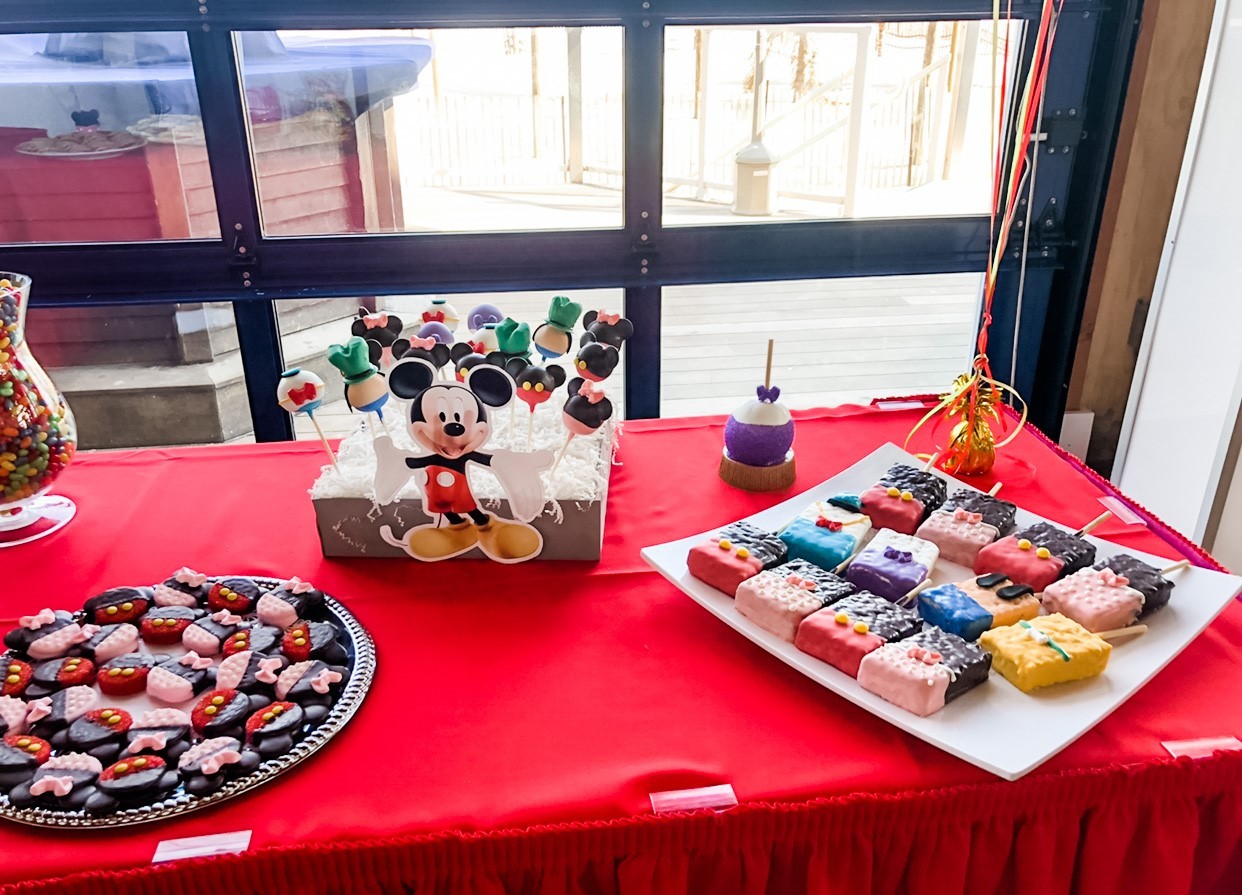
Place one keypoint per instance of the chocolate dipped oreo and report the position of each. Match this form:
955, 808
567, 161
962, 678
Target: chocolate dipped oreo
63, 782
101, 733
12, 715
251, 672
48, 716
163, 732
180, 680
164, 626
45, 635
107, 642
256, 638
119, 604
273, 730
16, 677
237, 595
186, 587
207, 636
291, 600
59, 674
207, 766
313, 640
313, 685
224, 712
132, 781
20, 756
127, 675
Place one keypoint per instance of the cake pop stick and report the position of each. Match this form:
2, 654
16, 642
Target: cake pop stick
1093, 524
586, 409
1122, 633
535, 386
301, 391
995, 488
931, 461
1176, 567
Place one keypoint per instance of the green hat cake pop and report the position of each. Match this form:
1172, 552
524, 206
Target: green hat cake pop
555, 337
365, 389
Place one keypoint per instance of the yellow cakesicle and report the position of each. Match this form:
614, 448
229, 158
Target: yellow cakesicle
1047, 650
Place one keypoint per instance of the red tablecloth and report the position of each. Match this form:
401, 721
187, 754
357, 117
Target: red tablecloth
522, 715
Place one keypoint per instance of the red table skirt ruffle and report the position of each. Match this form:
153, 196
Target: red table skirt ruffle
1173, 828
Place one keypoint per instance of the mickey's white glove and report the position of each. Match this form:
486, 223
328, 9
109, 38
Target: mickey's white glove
518, 474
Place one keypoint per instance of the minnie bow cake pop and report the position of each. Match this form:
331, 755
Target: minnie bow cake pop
585, 410
450, 420
429, 349
608, 329
382, 332
554, 337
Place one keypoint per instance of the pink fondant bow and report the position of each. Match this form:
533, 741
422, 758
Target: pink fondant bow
323, 681
186, 575
225, 617
297, 586
964, 515
426, 343
38, 620
926, 656
194, 660
602, 316
153, 741
376, 321
39, 709
267, 671
830, 524
89, 631
57, 786
433, 316
592, 392
799, 581
213, 763
1109, 578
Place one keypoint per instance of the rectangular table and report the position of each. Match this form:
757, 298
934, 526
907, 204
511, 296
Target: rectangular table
522, 715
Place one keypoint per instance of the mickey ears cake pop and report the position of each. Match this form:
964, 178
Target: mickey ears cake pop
758, 440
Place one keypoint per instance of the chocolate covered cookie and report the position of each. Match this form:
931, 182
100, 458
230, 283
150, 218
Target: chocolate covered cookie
107, 642
313, 685
48, 716
165, 625
101, 733
131, 782
58, 674
289, 601
256, 638
127, 675
207, 636
63, 783
45, 635
185, 588
177, 681
120, 604
313, 640
237, 595
224, 712
16, 678
12, 715
20, 756
273, 730
250, 672
163, 732
208, 765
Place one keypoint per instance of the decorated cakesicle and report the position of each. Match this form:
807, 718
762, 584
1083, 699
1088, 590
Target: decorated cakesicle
904, 497
1146, 579
893, 564
922, 673
737, 552
846, 631
1098, 599
1050, 649
967, 523
1040, 554
1005, 602
779, 599
828, 532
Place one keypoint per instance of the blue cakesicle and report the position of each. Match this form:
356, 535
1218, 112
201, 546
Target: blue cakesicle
951, 609
819, 546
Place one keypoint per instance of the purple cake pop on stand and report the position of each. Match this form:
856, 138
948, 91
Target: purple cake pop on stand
758, 440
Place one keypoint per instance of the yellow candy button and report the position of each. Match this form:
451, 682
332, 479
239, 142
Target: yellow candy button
861, 627
538, 386
743, 552
893, 492
906, 495
725, 544
1043, 553
1024, 544
526, 386
841, 618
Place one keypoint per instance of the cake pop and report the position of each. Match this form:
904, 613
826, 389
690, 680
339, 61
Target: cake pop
554, 337
608, 329
481, 315
435, 353
465, 358
438, 331
484, 339
440, 311
586, 409
301, 391
758, 437
535, 386
365, 388
383, 334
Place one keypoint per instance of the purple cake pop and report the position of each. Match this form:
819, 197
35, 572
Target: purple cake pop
761, 431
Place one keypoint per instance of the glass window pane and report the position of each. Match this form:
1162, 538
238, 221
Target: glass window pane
867, 120
309, 326
101, 140
446, 130
837, 341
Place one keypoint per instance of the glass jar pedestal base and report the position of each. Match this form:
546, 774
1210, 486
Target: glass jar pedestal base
35, 519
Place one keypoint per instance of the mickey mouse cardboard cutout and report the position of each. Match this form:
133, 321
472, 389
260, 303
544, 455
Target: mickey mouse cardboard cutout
450, 420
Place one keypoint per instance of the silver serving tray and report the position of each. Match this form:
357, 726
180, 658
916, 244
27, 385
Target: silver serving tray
361, 650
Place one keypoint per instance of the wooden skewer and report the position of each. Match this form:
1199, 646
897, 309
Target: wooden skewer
561, 455
1122, 633
910, 597
995, 488
931, 461
327, 447
1093, 524
767, 373
530, 429
1176, 567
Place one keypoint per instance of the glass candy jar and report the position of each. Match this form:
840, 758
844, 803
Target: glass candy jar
37, 433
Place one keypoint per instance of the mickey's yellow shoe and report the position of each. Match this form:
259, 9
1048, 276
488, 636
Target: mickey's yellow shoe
509, 542
432, 543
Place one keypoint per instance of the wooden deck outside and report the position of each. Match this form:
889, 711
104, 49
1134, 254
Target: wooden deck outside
836, 340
